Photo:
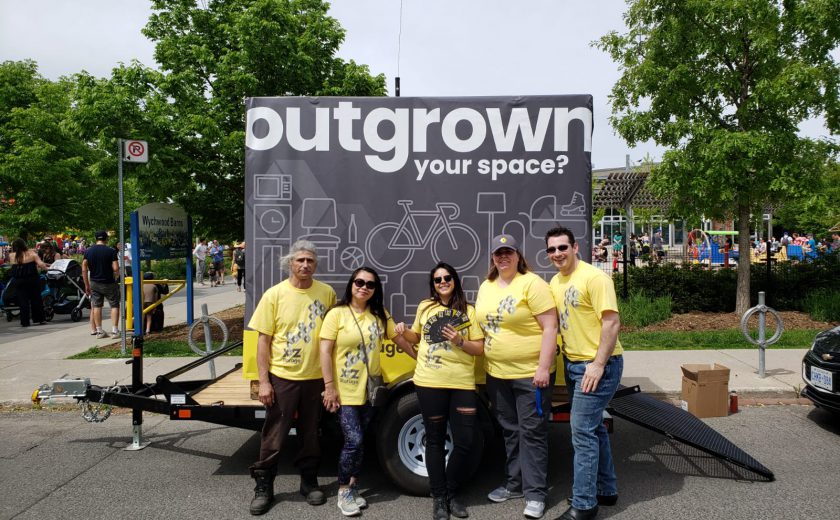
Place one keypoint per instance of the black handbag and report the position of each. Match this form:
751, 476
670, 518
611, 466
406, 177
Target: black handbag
377, 392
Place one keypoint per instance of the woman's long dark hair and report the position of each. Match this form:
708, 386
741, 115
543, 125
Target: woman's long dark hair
20, 249
458, 300
375, 303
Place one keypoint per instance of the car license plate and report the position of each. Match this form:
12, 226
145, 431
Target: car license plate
821, 378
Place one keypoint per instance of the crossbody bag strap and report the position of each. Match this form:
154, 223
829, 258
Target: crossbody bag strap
364, 343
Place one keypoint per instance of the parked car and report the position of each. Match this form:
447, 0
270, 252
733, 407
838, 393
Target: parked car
821, 370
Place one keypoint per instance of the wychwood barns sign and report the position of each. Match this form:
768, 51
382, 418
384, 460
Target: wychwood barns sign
400, 184
162, 231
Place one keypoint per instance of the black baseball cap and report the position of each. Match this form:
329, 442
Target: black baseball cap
101, 235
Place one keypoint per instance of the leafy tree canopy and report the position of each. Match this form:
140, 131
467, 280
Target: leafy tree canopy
725, 84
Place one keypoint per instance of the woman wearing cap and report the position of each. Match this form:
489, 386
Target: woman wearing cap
444, 379
517, 313
25, 264
351, 340
47, 252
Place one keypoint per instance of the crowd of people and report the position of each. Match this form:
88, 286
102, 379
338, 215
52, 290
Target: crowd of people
314, 354
210, 263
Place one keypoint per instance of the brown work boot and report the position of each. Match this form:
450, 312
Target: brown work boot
263, 491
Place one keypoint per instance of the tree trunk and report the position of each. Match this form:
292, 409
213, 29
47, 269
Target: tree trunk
742, 296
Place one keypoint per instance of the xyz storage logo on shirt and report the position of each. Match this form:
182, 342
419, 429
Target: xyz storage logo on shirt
291, 353
494, 321
570, 300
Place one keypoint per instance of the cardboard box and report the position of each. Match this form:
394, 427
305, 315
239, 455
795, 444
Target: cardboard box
705, 390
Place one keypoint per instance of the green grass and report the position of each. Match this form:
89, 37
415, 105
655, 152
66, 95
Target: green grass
708, 340
640, 310
151, 348
823, 305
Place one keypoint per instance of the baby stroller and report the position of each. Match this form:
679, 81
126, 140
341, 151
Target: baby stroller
64, 278
8, 296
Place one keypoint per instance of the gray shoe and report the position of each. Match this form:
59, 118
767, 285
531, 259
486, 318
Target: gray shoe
101, 334
115, 335
501, 493
357, 497
347, 503
534, 509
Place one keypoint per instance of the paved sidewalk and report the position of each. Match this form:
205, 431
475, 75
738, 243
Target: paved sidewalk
32, 356
37, 355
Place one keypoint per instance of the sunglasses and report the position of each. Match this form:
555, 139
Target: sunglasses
441, 279
561, 248
370, 285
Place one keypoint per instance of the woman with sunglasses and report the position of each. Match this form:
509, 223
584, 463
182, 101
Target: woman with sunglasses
516, 310
351, 340
444, 378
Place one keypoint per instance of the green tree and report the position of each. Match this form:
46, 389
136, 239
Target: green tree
211, 56
724, 85
818, 210
46, 180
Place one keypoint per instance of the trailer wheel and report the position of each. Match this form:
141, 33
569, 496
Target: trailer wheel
401, 445
76, 314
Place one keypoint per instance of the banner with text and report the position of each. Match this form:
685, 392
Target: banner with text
399, 184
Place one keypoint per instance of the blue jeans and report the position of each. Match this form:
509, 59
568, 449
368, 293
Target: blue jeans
594, 472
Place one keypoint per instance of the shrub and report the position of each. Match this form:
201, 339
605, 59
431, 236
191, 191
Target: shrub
823, 305
693, 287
172, 269
640, 310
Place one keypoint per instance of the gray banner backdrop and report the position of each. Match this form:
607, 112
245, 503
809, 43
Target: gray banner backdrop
399, 184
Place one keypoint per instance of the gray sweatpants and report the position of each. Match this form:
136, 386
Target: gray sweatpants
525, 433
199, 270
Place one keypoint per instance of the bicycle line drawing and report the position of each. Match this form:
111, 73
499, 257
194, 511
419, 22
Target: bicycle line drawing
390, 246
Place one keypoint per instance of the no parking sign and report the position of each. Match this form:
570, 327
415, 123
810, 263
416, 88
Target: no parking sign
136, 151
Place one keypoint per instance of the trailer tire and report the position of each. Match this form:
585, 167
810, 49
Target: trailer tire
401, 445
76, 314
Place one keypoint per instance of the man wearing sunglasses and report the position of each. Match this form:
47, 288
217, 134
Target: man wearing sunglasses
592, 355
288, 319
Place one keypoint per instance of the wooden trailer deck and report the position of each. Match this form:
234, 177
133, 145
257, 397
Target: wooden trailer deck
230, 390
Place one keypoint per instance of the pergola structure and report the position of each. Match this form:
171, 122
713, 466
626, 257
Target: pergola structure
624, 188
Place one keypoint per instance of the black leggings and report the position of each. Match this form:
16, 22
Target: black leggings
240, 276
458, 407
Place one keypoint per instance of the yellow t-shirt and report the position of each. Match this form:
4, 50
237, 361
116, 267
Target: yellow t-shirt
512, 334
349, 371
582, 297
444, 365
292, 317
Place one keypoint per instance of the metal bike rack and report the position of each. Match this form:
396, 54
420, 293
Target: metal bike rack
761, 341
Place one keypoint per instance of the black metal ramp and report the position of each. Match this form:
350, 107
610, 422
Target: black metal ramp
631, 404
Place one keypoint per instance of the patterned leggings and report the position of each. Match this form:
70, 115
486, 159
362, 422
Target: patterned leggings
354, 421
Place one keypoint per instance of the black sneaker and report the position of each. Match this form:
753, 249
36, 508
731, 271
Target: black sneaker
457, 509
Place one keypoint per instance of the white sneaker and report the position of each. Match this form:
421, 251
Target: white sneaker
115, 334
347, 503
101, 334
534, 509
357, 497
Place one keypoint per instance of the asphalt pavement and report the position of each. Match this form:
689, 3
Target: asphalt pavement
53, 465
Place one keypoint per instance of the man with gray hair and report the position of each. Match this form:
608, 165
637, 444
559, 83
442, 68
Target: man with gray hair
288, 319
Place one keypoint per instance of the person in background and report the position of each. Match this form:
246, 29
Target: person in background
238, 265
288, 319
517, 313
25, 265
217, 253
150, 296
48, 252
589, 323
99, 268
200, 254
351, 341
444, 379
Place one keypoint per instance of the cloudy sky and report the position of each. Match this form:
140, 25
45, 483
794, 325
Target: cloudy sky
445, 47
